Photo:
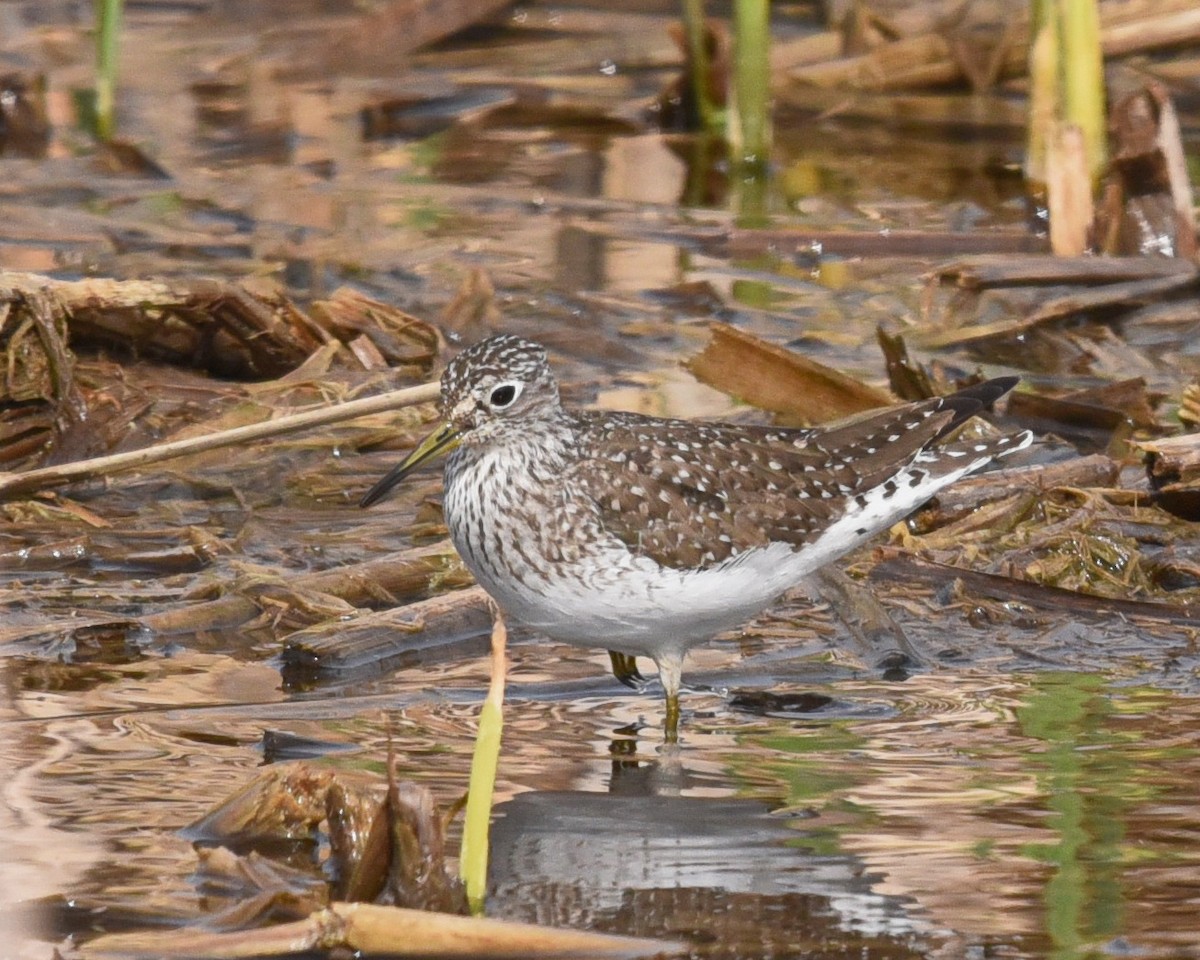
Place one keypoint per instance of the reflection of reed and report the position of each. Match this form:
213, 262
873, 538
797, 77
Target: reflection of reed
1014, 815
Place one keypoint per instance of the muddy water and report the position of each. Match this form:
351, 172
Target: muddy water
1029, 793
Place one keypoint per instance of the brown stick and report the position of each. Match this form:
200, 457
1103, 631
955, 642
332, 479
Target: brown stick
927, 58
373, 639
13, 483
1042, 596
391, 578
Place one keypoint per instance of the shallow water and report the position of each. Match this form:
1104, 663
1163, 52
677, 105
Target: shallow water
1029, 792
1029, 814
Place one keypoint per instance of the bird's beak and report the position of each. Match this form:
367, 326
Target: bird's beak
442, 440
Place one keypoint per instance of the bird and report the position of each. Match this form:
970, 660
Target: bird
647, 536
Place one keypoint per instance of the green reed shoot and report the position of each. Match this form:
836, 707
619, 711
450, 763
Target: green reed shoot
108, 31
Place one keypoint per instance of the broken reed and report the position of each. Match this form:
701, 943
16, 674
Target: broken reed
1065, 151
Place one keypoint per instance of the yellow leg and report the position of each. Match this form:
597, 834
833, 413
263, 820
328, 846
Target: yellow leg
669, 670
624, 668
671, 729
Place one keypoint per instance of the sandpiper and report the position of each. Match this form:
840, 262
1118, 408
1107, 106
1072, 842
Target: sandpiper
647, 536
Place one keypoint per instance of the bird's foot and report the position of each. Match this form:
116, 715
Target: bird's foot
624, 668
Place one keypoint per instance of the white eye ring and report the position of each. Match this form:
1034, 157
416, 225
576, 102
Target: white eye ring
504, 394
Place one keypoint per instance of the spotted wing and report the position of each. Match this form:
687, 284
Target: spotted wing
691, 494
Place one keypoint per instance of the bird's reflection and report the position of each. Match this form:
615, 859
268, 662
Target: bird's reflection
662, 854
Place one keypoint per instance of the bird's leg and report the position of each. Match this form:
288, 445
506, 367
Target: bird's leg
670, 669
624, 668
671, 725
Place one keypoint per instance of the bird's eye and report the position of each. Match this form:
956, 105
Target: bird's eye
503, 395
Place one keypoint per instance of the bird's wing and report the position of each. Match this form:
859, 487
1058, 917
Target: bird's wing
693, 494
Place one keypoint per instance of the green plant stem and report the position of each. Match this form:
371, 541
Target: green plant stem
695, 31
1043, 88
750, 131
1066, 72
473, 857
108, 37
1083, 77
